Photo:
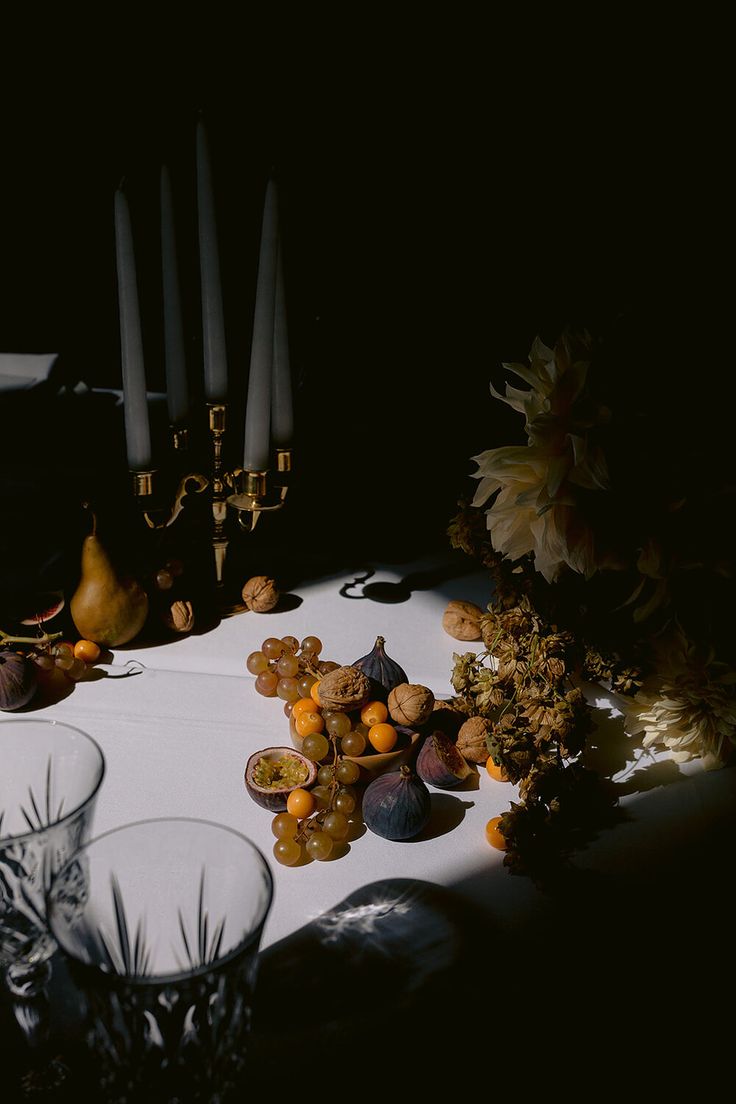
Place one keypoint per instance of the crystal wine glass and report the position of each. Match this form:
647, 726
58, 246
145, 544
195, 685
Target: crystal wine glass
50, 777
161, 923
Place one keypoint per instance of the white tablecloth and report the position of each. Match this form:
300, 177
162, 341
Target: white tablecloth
176, 737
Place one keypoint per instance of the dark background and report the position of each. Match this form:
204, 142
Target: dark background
448, 191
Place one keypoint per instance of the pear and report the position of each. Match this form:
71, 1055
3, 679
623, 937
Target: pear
106, 607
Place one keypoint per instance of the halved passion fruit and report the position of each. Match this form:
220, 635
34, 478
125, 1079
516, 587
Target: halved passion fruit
271, 775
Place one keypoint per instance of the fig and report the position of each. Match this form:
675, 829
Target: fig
440, 764
272, 773
46, 608
396, 805
18, 679
383, 671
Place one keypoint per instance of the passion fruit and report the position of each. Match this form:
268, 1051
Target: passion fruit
440, 764
272, 773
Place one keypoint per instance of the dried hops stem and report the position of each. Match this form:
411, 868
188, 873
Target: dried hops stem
525, 711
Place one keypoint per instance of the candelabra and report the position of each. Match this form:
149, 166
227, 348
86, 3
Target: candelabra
247, 493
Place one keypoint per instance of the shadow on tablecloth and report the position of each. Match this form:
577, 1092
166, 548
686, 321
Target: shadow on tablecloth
358, 992
407, 985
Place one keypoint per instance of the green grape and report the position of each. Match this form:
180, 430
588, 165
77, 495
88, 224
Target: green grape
291, 644
338, 724
284, 826
306, 682
347, 771
354, 743
363, 729
315, 746
288, 665
272, 647
256, 662
287, 690
345, 801
288, 707
311, 646
336, 825
77, 670
326, 666
287, 852
322, 795
44, 662
319, 846
325, 774
266, 683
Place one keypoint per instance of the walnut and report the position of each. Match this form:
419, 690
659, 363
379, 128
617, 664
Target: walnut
260, 594
344, 689
461, 620
179, 617
471, 739
410, 704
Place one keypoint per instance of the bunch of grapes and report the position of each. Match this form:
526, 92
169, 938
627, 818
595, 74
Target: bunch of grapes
318, 819
73, 659
288, 669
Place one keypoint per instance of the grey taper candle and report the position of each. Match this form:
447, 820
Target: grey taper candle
256, 456
282, 413
177, 396
135, 399
214, 351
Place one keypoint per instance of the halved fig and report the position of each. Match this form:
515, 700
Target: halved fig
46, 607
440, 764
272, 773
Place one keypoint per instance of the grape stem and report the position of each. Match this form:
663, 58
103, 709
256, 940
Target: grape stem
44, 638
319, 816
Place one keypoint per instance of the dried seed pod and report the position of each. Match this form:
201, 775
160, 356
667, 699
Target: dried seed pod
471, 739
179, 617
409, 703
260, 594
344, 689
461, 620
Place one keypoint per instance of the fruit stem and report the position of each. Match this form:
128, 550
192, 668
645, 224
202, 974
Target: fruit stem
44, 638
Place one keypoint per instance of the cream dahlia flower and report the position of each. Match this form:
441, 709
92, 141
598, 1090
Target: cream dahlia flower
688, 706
536, 509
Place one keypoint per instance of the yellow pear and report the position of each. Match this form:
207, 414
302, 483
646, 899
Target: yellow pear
106, 607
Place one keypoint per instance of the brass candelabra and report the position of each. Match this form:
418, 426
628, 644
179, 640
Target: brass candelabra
247, 493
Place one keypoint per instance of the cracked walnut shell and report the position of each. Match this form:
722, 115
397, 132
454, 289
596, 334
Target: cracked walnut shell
344, 689
471, 739
180, 616
410, 703
260, 594
461, 620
